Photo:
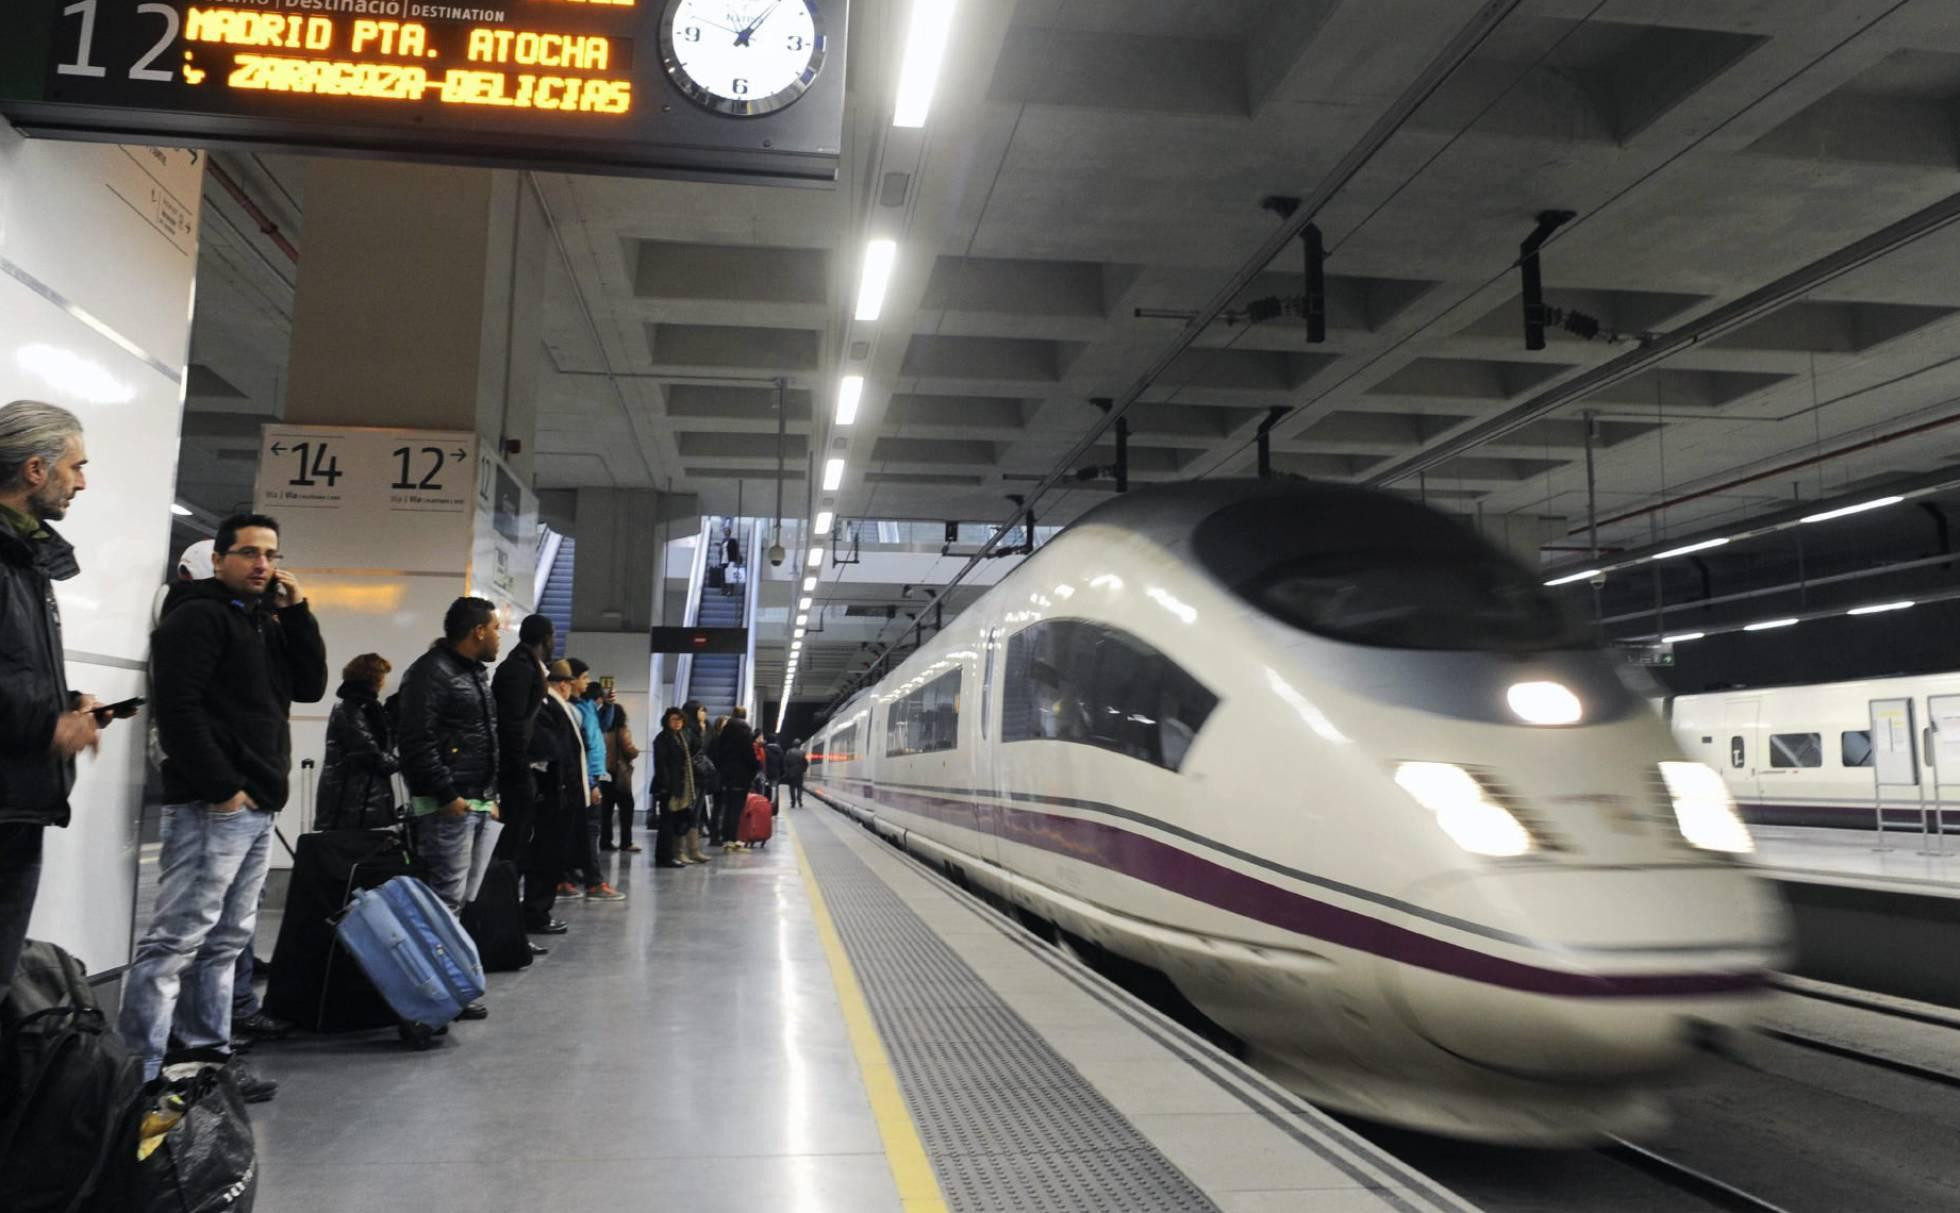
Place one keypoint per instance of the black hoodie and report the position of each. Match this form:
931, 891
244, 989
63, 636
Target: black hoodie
227, 669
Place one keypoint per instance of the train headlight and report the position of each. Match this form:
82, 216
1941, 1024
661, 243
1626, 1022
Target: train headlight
1464, 808
1546, 703
1704, 809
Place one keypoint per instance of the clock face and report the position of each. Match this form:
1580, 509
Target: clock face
743, 58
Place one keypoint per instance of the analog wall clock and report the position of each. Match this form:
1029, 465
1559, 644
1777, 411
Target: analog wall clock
743, 58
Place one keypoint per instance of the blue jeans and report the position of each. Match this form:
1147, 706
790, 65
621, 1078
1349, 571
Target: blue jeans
446, 846
213, 868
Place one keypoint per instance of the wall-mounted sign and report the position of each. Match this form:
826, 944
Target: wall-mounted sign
699, 640
1894, 748
346, 496
737, 89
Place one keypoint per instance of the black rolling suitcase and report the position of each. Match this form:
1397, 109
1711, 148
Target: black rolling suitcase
315, 984
495, 921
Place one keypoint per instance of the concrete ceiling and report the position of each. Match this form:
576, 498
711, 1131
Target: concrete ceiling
1089, 158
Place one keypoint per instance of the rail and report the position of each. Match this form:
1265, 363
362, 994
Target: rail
751, 598
697, 577
549, 543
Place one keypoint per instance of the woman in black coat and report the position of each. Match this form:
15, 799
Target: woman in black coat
357, 787
673, 792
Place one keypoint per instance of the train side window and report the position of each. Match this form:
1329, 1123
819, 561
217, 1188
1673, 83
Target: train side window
1796, 750
1738, 752
1091, 685
1855, 747
927, 720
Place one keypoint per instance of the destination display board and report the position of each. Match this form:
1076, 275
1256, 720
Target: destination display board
725, 89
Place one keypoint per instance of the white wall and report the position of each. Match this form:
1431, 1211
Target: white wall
98, 256
624, 656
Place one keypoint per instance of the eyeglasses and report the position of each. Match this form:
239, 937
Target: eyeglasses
252, 555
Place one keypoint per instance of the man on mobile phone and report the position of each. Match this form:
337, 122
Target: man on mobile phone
43, 725
230, 658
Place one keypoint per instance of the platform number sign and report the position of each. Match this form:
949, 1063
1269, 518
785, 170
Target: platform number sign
429, 461
316, 464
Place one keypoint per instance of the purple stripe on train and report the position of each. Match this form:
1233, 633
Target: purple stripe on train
1182, 872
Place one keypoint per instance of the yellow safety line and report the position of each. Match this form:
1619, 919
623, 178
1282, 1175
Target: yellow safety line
918, 1187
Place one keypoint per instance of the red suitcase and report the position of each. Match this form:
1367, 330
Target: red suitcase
758, 821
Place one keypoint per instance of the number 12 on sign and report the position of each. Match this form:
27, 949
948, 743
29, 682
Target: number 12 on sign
430, 479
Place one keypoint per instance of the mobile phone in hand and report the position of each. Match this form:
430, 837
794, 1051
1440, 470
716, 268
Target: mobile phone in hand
105, 712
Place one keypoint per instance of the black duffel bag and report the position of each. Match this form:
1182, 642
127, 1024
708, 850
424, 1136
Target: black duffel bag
70, 1094
495, 921
207, 1161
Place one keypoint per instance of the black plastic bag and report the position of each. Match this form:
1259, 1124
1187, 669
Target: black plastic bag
208, 1162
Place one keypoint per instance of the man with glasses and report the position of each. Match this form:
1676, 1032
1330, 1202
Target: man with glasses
230, 657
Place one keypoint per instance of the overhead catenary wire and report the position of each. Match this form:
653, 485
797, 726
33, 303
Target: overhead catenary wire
1461, 46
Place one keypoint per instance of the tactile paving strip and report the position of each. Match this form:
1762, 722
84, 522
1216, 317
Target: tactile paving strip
1008, 1124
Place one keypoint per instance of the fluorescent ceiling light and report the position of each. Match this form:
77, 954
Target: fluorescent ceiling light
1703, 546
1881, 608
925, 49
799, 633
804, 605
849, 392
833, 475
1682, 637
179, 509
824, 521
801, 620
809, 585
1881, 503
1569, 578
816, 557
1767, 624
879, 256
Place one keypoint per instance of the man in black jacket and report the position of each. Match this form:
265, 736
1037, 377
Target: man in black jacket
229, 658
519, 691
734, 756
43, 725
449, 745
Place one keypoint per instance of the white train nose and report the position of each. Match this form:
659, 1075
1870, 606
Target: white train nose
1587, 973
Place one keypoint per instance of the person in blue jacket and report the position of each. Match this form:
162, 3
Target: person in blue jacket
587, 850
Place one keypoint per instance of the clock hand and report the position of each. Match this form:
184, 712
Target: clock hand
742, 39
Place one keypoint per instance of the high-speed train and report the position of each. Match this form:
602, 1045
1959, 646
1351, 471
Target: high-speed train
1346, 776
1803, 755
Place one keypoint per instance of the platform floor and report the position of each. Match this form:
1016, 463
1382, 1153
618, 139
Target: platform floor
819, 1025
1900, 860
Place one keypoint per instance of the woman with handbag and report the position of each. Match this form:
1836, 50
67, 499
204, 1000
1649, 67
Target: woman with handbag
357, 785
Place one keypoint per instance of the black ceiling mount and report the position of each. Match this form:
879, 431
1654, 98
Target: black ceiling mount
1534, 286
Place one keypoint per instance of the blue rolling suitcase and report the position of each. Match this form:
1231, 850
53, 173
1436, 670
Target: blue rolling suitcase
416, 954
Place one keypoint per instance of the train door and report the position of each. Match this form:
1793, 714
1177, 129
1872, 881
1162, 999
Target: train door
987, 816
1742, 741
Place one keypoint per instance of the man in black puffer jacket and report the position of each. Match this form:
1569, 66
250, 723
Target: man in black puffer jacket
230, 657
449, 748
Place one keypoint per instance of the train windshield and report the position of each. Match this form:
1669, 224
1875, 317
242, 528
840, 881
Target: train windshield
1402, 578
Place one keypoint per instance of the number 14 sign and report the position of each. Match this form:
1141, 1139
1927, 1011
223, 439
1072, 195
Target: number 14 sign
369, 498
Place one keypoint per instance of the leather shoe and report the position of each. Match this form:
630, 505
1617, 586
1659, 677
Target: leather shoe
551, 926
537, 949
475, 1010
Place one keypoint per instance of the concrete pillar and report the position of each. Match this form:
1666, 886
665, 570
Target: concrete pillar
98, 253
419, 303
418, 309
